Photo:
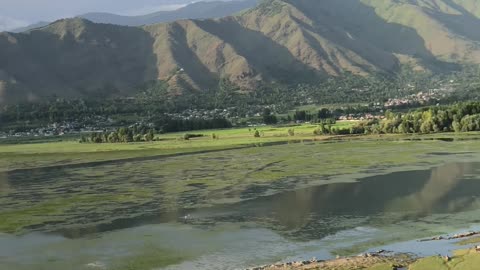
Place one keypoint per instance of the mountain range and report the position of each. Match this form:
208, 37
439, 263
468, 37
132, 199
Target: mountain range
284, 41
196, 10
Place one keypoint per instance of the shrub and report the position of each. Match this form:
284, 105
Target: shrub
188, 136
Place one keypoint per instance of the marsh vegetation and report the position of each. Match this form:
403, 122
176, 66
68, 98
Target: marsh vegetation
322, 195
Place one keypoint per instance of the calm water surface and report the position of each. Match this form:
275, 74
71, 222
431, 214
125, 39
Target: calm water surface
347, 218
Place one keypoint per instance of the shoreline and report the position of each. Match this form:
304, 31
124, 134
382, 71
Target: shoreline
390, 260
362, 261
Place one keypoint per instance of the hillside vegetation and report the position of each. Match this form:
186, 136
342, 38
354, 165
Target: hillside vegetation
279, 41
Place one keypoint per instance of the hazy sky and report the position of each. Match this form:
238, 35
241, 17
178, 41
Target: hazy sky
18, 13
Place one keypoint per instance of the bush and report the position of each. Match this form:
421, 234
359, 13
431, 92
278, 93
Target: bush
321, 130
257, 134
189, 136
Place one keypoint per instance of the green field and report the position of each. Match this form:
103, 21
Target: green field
57, 151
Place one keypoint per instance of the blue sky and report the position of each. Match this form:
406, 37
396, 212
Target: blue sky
18, 13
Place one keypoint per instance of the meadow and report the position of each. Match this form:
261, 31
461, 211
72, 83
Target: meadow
35, 153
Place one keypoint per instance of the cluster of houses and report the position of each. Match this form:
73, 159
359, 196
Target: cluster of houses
62, 128
228, 113
420, 98
200, 114
360, 117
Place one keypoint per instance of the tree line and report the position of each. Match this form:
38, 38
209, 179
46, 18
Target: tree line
460, 117
121, 135
165, 124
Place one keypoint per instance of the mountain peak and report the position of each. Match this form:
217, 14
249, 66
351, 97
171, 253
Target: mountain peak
75, 26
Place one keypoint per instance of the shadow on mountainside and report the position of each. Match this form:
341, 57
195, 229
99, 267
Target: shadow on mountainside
357, 27
267, 58
74, 58
466, 24
188, 60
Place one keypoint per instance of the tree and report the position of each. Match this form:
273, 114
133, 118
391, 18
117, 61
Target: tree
113, 137
457, 127
426, 127
268, 117
150, 135
300, 115
324, 114
129, 136
137, 138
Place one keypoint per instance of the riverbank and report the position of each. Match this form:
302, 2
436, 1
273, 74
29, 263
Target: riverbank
370, 261
462, 259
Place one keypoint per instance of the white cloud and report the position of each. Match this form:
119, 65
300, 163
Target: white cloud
8, 23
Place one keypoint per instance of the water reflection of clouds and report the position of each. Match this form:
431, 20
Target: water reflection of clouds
442, 181
374, 201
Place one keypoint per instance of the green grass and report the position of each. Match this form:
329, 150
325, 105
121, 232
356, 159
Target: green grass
469, 241
462, 260
69, 151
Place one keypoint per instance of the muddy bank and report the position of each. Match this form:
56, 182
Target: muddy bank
363, 261
384, 260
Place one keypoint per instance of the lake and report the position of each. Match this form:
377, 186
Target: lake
240, 208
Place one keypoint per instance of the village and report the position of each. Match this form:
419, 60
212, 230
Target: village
422, 98
246, 117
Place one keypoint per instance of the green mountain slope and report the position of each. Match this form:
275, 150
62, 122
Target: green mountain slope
285, 41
